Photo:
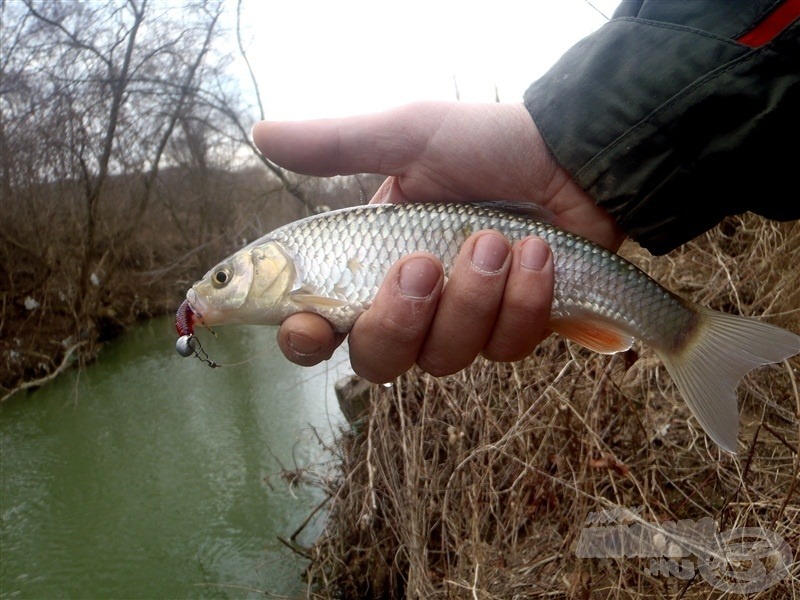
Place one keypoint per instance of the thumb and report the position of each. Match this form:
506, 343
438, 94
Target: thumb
382, 143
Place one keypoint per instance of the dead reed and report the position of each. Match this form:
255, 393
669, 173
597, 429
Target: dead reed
480, 485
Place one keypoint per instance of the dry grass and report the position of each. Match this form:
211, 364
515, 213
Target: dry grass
479, 485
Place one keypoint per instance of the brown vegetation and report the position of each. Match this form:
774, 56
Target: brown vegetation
479, 485
190, 226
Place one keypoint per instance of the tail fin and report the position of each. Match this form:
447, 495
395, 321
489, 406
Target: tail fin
707, 370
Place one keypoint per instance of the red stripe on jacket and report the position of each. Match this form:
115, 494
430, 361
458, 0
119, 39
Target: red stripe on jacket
776, 21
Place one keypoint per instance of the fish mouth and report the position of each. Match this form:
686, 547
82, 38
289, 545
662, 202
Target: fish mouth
191, 312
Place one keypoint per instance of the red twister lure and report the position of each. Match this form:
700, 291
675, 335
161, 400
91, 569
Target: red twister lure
187, 344
185, 328
183, 319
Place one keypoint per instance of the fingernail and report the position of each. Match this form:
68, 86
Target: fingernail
534, 254
303, 344
489, 253
418, 277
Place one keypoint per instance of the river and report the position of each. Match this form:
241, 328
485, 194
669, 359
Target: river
148, 475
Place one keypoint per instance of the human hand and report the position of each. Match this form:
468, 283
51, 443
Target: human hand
497, 300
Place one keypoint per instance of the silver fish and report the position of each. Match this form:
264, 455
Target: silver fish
333, 263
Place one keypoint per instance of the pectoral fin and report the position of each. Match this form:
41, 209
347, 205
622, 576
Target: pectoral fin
593, 333
315, 301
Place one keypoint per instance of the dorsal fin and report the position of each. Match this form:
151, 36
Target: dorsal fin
530, 210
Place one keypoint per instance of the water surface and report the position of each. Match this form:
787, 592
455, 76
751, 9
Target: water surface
148, 475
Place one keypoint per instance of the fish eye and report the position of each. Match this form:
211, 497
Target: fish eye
221, 276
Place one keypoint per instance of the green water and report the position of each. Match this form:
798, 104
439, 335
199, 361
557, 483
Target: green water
148, 475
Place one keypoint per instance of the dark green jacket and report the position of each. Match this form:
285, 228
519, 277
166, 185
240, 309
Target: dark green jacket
677, 113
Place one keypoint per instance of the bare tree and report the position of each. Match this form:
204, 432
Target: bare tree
110, 92
91, 96
290, 184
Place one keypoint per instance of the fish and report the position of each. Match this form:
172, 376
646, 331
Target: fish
333, 263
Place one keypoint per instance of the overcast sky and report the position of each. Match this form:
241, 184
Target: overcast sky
326, 58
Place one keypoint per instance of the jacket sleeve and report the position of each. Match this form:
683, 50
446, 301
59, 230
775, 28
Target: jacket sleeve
676, 114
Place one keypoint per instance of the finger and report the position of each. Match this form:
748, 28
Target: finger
469, 305
377, 143
307, 339
387, 338
525, 309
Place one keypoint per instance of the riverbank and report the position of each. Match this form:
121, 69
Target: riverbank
487, 484
40, 341
64, 299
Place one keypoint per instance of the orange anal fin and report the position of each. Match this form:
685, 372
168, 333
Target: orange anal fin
593, 333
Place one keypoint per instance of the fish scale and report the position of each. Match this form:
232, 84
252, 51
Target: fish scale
588, 278
332, 264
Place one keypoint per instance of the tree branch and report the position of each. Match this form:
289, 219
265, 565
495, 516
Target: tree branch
65, 362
